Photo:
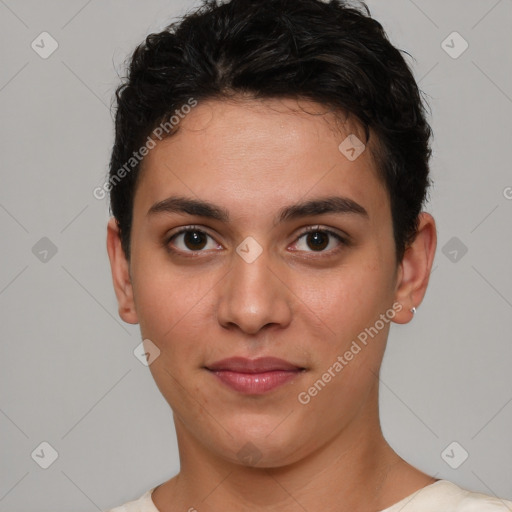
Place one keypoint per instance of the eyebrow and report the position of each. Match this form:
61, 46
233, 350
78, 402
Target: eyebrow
200, 208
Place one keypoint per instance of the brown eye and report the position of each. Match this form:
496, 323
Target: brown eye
191, 240
318, 240
194, 240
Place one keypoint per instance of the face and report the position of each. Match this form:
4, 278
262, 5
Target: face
292, 257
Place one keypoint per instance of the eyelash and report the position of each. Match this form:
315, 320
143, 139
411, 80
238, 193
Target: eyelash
310, 229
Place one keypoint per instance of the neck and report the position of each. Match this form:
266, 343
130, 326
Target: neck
355, 470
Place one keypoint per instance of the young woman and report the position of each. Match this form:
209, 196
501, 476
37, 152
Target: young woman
267, 180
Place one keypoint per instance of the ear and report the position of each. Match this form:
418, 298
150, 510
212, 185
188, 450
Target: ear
120, 274
414, 270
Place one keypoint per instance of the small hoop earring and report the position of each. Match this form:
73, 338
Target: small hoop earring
413, 310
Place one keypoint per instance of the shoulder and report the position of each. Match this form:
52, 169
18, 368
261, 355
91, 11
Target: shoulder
478, 502
142, 504
469, 501
449, 497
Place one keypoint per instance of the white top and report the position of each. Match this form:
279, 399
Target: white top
441, 496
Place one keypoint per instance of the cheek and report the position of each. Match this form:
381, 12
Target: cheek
171, 311
165, 298
348, 297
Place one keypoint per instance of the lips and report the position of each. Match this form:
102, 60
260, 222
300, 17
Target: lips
254, 376
260, 365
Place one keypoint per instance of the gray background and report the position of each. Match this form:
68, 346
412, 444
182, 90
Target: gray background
68, 373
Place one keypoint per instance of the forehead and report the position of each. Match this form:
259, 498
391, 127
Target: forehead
259, 153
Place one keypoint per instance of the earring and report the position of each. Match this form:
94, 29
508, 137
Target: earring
413, 310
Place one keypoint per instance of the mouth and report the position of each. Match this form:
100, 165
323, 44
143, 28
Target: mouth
254, 376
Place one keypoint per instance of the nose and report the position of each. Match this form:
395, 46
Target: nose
253, 297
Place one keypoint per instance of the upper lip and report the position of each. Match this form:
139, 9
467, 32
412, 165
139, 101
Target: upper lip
259, 365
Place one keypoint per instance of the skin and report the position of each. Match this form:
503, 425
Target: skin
294, 302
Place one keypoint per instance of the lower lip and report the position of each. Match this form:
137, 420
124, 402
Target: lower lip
255, 383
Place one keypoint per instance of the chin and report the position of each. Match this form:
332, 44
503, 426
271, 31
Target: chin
264, 444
